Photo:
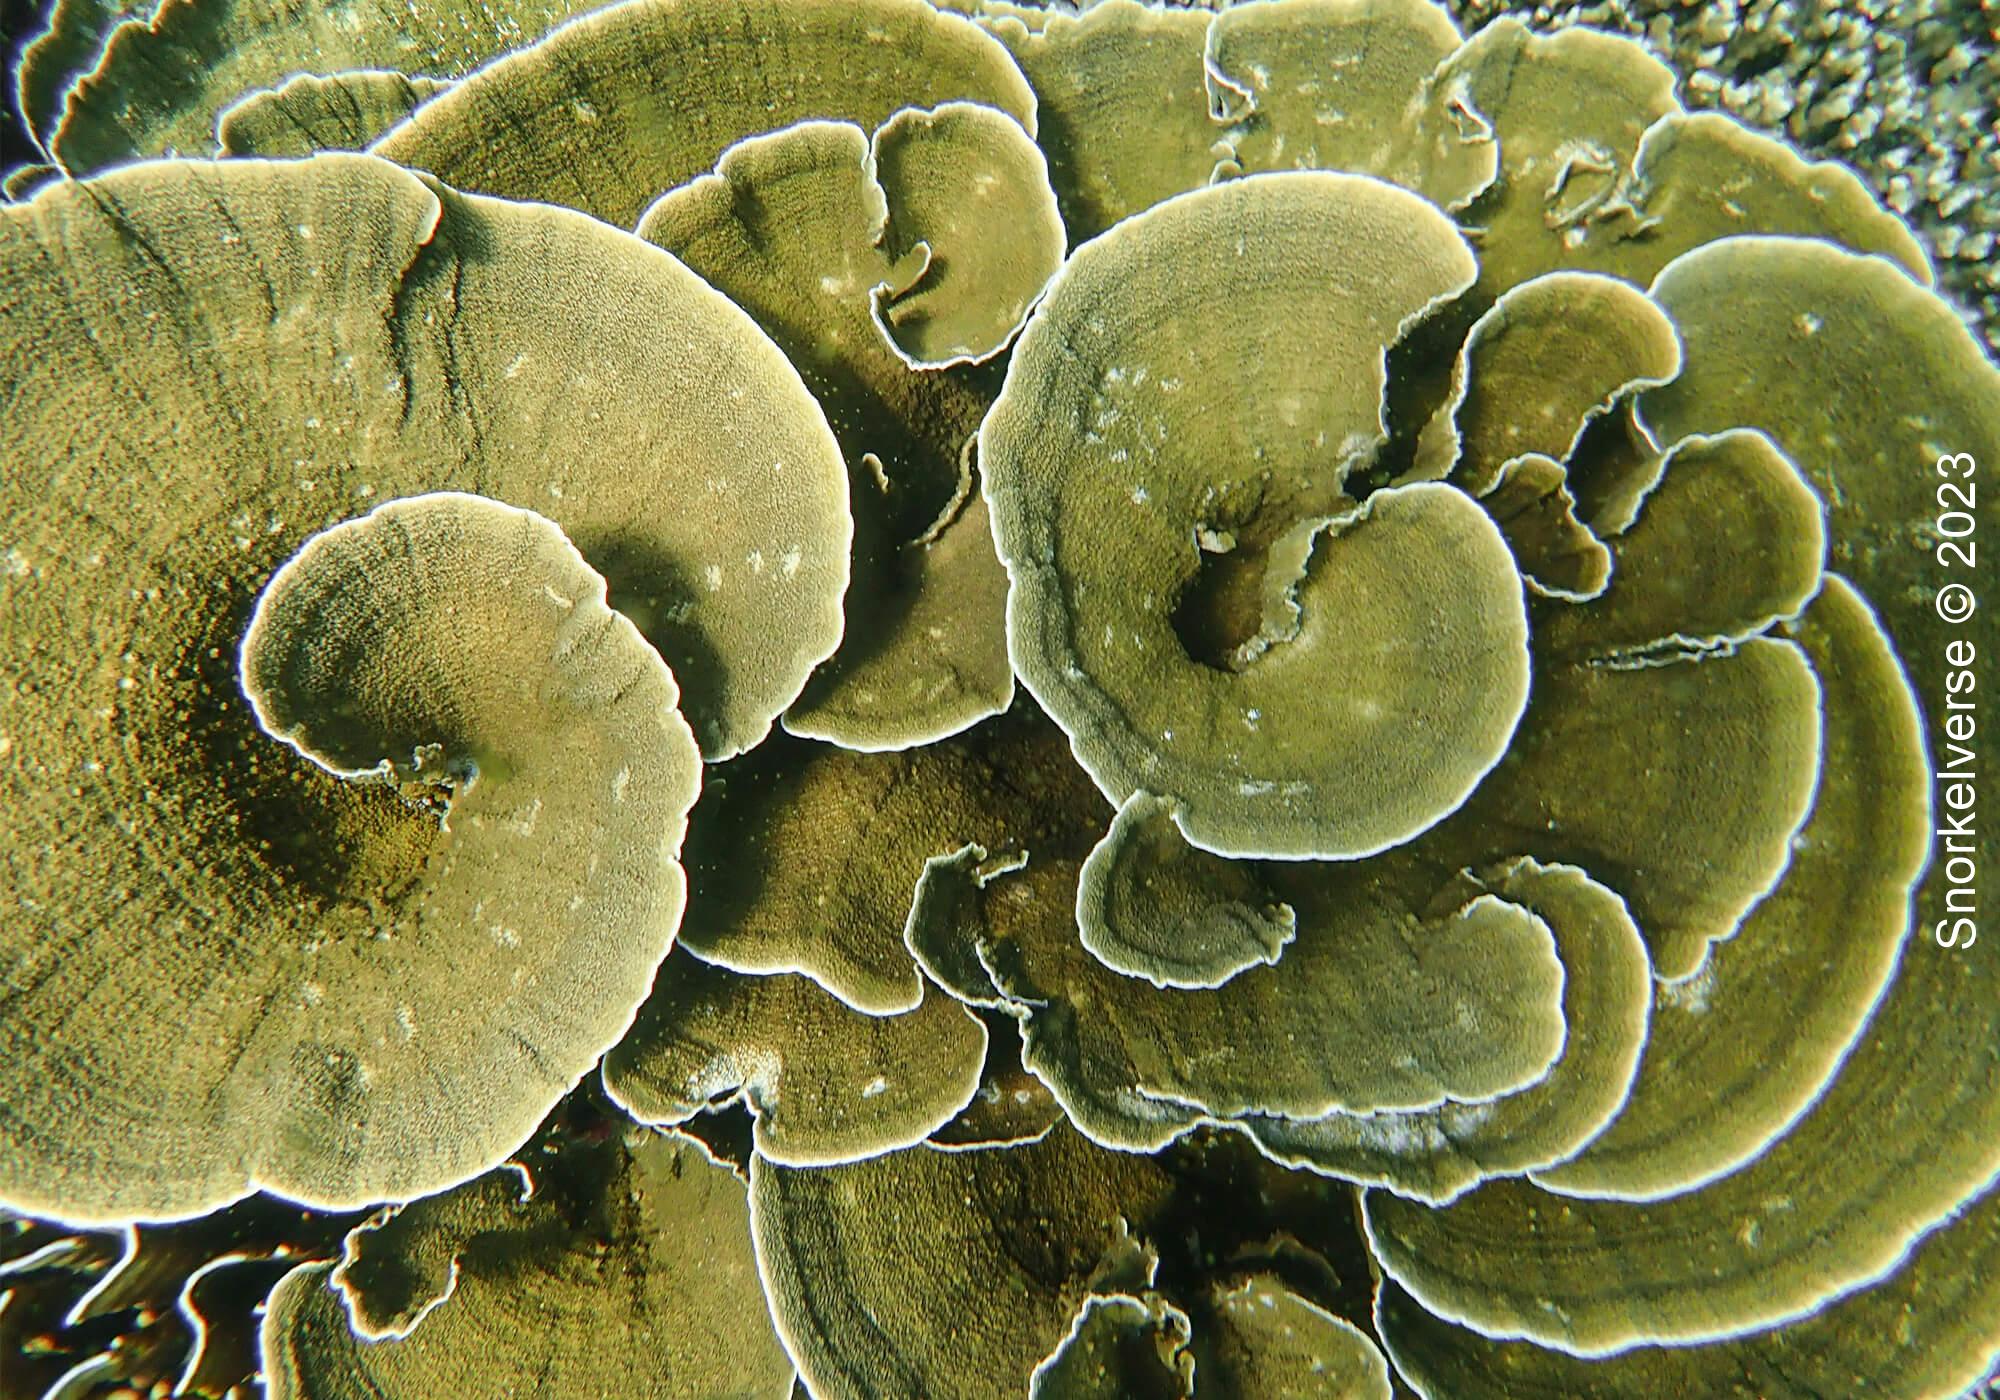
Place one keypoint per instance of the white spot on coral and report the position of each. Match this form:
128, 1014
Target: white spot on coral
756, 561
505, 936
1459, 1119
712, 575
788, 565
877, 1085
618, 783
524, 825
1397, 1134
1690, 994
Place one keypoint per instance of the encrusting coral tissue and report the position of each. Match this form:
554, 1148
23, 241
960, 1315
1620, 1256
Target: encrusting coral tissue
944, 698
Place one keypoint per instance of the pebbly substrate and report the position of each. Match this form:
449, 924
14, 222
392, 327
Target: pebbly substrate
1906, 92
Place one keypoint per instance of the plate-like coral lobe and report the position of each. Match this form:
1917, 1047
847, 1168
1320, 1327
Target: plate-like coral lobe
307, 113
1270, 1341
1150, 905
1729, 542
1437, 1154
168, 72
957, 178
1700, 176
611, 1270
854, 252
805, 857
451, 340
826, 1083
1559, 556
71, 40
532, 795
1119, 1347
1928, 1331
218, 361
1122, 105
1328, 85
1733, 1058
1396, 995
1165, 406
1565, 113
1007, 1244
621, 104
1813, 1213
1546, 358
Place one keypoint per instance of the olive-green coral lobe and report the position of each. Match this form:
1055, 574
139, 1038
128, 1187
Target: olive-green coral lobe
1165, 398
628, 101
221, 359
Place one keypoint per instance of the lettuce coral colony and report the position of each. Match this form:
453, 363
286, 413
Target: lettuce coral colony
964, 699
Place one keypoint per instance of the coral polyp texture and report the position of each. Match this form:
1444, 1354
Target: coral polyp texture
874, 698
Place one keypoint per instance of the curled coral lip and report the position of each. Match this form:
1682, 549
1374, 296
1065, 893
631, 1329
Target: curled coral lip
872, 260
1389, 663
281, 901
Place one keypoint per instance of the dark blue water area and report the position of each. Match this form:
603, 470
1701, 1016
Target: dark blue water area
20, 21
